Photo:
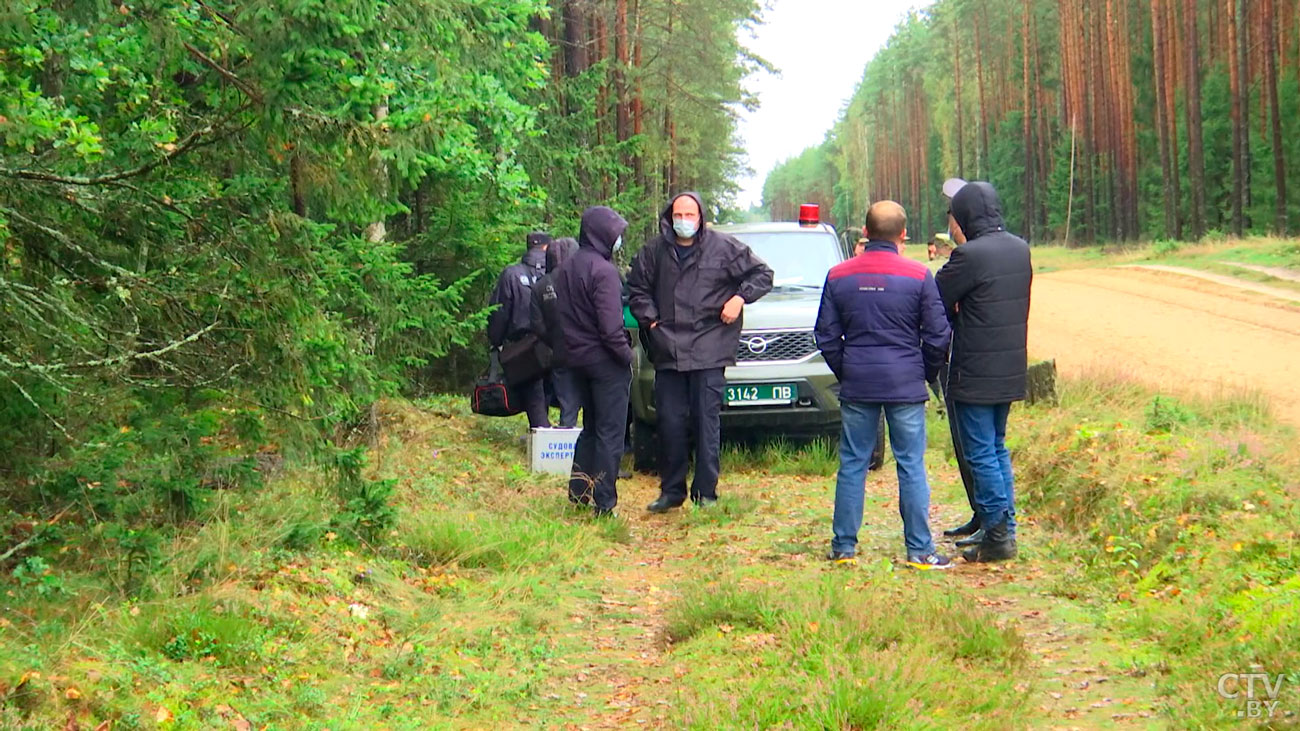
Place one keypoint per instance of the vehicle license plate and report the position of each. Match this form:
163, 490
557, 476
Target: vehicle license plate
761, 394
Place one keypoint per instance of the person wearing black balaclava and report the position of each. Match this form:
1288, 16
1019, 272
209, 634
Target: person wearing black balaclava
510, 321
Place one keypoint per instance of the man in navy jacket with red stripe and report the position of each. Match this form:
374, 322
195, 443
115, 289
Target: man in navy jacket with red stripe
883, 332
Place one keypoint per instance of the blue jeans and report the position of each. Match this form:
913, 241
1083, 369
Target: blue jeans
983, 429
857, 439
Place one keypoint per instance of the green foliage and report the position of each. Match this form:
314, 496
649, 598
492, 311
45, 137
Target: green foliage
1165, 415
189, 275
33, 573
227, 230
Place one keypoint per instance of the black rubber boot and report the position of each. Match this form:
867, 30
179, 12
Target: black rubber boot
998, 545
969, 528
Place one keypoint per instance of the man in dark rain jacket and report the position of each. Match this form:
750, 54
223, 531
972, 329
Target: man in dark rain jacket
510, 321
544, 318
598, 353
985, 289
688, 288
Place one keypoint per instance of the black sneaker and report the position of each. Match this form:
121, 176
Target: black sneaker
930, 562
841, 557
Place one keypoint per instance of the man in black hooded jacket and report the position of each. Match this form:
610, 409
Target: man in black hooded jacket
544, 319
985, 289
598, 353
510, 321
688, 289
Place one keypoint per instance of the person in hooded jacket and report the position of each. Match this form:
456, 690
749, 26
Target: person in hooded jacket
969, 533
544, 318
985, 288
510, 321
688, 288
598, 353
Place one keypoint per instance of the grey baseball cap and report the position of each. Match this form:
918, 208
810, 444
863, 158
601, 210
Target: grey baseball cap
951, 186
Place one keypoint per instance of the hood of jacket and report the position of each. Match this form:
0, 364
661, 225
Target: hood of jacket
601, 227
558, 252
978, 210
666, 218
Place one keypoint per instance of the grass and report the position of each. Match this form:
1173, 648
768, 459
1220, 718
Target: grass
1212, 255
1179, 517
821, 652
1159, 537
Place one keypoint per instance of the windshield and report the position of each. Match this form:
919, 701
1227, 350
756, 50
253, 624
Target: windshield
799, 260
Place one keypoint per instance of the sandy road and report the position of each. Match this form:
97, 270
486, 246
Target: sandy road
1173, 332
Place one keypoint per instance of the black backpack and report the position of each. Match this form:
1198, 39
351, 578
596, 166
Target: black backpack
491, 396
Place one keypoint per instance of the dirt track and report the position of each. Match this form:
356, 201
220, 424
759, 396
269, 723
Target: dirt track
1173, 332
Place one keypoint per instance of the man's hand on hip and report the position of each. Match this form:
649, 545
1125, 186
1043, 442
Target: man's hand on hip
731, 310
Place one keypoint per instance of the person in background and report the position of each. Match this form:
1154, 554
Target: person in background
544, 319
882, 331
689, 286
598, 356
510, 321
985, 288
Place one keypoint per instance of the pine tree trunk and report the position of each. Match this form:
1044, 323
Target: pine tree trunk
1232, 11
1027, 120
1195, 144
958, 121
1170, 82
575, 47
1243, 75
1134, 223
623, 127
1162, 128
1270, 84
638, 100
982, 161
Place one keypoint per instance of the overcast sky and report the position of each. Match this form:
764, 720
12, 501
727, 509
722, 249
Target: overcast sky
820, 48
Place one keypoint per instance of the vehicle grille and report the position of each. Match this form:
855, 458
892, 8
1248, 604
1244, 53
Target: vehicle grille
775, 346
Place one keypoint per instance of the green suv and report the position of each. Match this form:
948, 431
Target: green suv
780, 385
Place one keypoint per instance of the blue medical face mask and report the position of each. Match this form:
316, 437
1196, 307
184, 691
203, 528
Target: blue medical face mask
618, 243
685, 229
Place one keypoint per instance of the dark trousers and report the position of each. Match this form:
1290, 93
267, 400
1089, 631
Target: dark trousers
958, 451
567, 396
533, 396
603, 392
689, 405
